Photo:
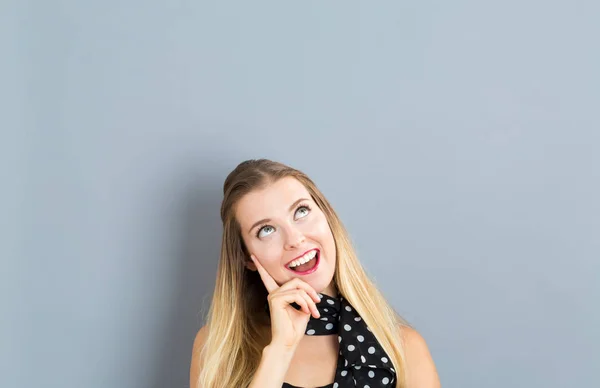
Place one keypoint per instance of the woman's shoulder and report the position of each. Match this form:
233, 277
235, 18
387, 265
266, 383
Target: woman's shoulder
199, 341
195, 366
201, 336
420, 368
410, 336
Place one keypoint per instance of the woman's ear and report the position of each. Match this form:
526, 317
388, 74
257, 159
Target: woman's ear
250, 265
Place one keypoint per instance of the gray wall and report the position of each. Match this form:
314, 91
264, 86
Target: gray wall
458, 141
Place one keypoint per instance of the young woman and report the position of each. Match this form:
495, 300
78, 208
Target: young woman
292, 306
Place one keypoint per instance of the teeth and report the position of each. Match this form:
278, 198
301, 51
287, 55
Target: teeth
304, 259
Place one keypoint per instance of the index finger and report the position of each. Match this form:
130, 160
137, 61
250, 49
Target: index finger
269, 282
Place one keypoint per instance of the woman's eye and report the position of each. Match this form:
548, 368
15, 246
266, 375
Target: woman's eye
304, 209
266, 230
268, 227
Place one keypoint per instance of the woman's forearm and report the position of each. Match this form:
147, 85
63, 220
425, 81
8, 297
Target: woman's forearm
273, 366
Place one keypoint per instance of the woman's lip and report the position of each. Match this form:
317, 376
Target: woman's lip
302, 255
313, 269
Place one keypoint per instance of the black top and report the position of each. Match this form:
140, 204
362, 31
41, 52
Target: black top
286, 385
361, 361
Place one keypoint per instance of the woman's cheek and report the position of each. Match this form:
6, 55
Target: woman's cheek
273, 248
319, 225
316, 220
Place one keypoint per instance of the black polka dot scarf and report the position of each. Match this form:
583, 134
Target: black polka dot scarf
362, 362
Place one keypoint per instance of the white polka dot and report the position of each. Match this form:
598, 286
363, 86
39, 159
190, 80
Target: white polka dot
310, 332
335, 385
393, 370
371, 374
385, 380
329, 301
363, 359
347, 327
339, 339
360, 338
321, 296
366, 386
357, 367
344, 373
371, 350
326, 310
384, 359
345, 362
329, 326
324, 318
357, 319
351, 347
348, 308
368, 329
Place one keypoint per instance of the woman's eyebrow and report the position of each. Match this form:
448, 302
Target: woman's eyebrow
269, 220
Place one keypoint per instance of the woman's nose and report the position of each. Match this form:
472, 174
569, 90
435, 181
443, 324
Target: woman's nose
294, 239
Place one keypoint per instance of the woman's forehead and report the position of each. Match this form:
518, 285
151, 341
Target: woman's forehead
271, 200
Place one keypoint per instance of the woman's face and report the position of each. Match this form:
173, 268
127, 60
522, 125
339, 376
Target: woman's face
282, 227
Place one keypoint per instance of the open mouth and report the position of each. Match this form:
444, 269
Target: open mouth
306, 264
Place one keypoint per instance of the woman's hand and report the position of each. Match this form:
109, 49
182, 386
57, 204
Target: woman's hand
288, 325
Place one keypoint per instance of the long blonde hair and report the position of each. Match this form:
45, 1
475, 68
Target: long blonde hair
237, 318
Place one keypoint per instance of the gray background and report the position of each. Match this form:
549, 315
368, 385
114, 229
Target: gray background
457, 140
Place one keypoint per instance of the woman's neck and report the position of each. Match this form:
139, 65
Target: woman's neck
331, 290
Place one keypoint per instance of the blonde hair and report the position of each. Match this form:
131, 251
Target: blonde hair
237, 318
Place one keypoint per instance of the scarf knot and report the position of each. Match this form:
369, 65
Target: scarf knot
362, 361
